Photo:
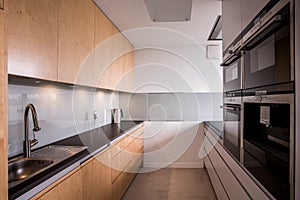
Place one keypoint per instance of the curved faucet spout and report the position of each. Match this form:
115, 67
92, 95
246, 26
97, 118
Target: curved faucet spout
27, 143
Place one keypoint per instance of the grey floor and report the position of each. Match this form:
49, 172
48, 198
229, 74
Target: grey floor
171, 184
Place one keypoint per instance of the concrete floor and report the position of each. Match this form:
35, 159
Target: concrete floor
171, 184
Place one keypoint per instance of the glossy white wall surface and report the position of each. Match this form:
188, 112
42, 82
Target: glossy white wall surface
176, 69
61, 112
297, 73
172, 144
172, 106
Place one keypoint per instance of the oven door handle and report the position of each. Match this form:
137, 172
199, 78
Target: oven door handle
233, 57
231, 108
261, 29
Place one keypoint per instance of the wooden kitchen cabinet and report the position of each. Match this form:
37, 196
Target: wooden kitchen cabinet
127, 158
123, 61
103, 50
3, 113
32, 38
76, 42
68, 187
96, 173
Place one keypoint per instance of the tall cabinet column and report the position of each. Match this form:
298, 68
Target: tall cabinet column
3, 110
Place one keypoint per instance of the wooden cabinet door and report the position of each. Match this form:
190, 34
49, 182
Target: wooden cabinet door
97, 177
32, 37
103, 50
76, 41
121, 54
69, 187
3, 114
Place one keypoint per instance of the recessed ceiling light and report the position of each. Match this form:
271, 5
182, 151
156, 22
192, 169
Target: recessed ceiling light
169, 10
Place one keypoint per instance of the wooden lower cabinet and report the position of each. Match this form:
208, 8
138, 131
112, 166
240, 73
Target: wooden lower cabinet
96, 177
68, 187
127, 158
105, 176
123, 181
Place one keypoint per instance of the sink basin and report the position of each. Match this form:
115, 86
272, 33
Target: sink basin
24, 167
20, 168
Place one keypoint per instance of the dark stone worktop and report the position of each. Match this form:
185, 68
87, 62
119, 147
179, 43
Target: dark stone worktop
95, 140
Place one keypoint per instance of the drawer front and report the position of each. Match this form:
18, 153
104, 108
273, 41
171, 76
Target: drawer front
230, 183
128, 139
252, 188
122, 158
215, 181
123, 181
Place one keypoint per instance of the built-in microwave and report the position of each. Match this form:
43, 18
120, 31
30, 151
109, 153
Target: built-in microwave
267, 58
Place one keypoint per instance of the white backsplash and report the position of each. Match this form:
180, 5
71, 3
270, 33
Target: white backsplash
61, 112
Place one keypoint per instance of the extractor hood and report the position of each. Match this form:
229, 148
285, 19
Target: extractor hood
169, 10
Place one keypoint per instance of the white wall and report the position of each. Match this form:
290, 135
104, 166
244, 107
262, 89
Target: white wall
172, 144
172, 106
297, 72
176, 69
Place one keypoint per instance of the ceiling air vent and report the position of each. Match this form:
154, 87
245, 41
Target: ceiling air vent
169, 10
216, 32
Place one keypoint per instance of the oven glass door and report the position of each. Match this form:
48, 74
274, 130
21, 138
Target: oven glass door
266, 145
232, 76
231, 135
268, 63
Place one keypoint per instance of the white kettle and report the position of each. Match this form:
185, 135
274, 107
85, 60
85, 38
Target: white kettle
116, 115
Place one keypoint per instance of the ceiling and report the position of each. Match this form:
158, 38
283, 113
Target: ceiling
132, 14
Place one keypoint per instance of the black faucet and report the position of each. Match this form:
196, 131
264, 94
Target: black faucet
27, 142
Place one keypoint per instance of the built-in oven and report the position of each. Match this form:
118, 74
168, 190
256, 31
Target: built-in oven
268, 142
232, 123
267, 47
232, 69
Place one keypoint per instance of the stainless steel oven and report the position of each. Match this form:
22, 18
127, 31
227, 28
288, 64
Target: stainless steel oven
268, 142
267, 48
232, 68
232, 124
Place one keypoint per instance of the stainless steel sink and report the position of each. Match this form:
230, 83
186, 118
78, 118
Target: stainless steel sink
22, 168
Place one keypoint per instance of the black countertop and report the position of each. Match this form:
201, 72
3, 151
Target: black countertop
95, 139
216, 126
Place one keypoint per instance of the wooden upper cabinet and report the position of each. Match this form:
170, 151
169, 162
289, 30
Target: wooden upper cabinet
103, 50
76, 42
32, 37
121, 53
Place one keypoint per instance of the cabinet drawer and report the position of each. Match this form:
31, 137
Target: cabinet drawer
214, 179
245, 180
124, 142
231, 184
123, 181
